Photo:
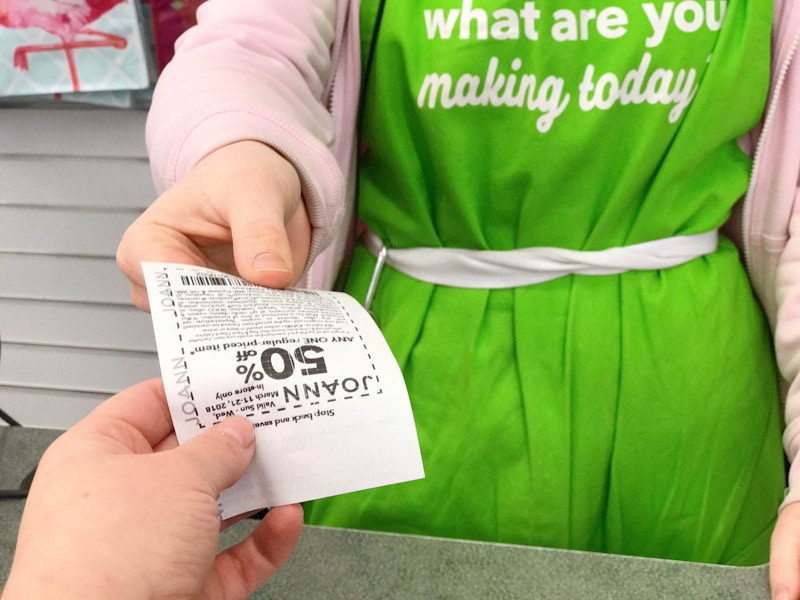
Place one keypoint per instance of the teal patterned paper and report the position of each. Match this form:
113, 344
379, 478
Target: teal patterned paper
104, 38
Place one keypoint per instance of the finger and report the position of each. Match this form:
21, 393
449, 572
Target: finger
141, 408
784, 564
145, 241
140, 298
264, 209
260, 244
298, 229
168, 443
220, 455
241, 569
269, 248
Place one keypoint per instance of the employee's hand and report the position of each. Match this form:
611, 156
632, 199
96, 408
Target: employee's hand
784, 563
118, 510
239, 210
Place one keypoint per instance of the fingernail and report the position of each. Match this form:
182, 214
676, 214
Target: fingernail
240, 429
267, 261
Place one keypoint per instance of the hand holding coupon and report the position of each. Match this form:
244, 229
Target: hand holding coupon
310, 370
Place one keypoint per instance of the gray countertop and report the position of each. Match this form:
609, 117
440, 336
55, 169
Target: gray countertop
347, 564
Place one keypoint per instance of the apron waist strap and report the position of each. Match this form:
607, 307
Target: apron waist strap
492, 269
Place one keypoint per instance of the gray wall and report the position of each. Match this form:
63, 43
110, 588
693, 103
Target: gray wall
71, 181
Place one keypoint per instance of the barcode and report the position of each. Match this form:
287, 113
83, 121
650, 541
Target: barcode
211, 280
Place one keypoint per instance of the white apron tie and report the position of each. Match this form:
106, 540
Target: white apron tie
494, 269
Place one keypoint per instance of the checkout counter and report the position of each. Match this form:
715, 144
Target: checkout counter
344, 564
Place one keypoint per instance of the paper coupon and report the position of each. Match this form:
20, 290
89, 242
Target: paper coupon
310, 370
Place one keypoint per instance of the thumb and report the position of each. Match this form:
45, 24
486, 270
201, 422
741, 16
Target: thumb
219, 456
261, 248
784, 567
271, 239
264, 209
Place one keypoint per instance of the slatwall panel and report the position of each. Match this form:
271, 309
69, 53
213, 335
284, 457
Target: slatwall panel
71, 181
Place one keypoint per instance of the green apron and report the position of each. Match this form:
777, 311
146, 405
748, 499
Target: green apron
633, 413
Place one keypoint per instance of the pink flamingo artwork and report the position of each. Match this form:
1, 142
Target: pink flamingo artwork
69, 20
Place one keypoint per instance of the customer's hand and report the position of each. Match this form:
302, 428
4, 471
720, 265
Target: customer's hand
239, 210
784, 562
118, 510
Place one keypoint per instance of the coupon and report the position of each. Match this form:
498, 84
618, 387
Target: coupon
310, 369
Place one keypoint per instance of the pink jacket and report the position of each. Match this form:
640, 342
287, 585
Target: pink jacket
287, 74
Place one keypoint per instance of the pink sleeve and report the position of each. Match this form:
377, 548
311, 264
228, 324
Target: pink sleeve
257, 70
787, 347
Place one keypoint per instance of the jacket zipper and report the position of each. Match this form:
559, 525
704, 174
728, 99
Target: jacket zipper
768, 119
